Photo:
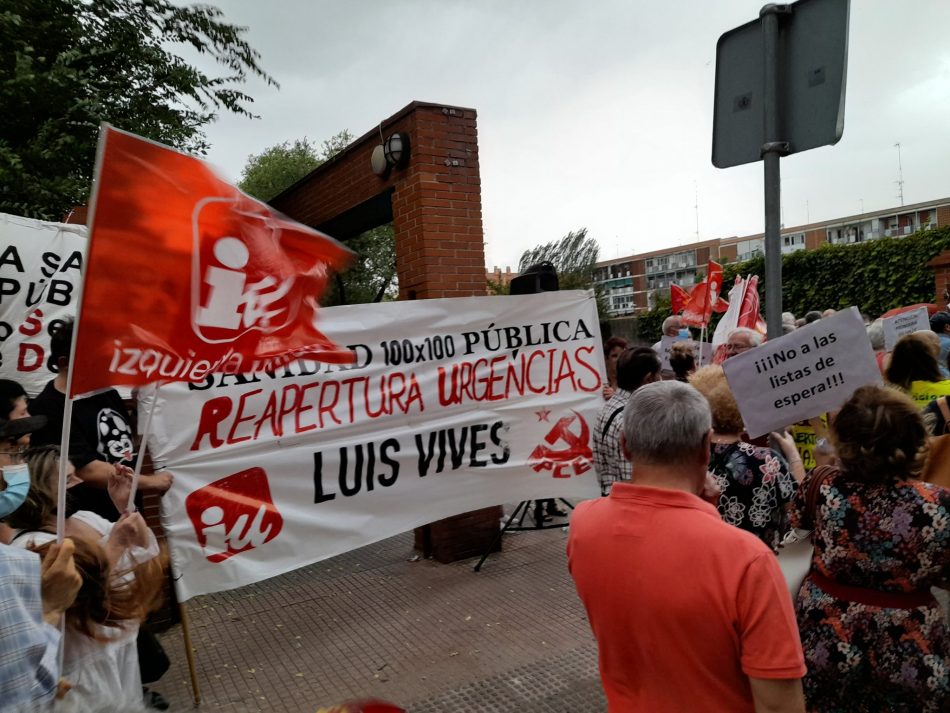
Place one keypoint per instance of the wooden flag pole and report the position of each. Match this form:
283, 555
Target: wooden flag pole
189, 653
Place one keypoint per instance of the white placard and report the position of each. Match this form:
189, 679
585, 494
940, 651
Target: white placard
900, 325
453, 405
803, 374
701, 351
40, 270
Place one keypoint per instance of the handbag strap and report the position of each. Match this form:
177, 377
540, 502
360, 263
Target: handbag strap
945, 412
617, 412
818, 476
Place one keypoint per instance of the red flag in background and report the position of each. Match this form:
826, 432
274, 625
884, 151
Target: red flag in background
698, 304
186, 275
749, 307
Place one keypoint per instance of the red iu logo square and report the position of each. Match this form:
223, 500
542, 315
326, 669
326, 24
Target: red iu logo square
234, 514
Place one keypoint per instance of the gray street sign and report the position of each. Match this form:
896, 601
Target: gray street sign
812, 51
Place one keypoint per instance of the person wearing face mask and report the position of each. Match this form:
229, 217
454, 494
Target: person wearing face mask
34, 594
122, 569
100, 446
672, 327
13, 411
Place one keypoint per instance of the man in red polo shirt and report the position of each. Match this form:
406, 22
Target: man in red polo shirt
690, 613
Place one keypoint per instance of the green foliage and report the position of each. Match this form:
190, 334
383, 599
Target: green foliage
573, 256
70, 64
497, 287
276, 168
372, 276
650, 323
876, 276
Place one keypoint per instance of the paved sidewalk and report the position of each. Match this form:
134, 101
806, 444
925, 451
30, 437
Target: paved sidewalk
433, 638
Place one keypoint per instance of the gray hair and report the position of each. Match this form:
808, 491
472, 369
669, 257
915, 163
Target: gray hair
664, 423
876, 335
754, 337
669, 320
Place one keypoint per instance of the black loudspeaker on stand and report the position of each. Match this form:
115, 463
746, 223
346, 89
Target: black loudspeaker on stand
519, 515
541, 277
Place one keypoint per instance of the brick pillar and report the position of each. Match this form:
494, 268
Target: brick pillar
437, 213
437, 218
941, 267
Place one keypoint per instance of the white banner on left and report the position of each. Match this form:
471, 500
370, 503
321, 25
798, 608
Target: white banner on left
453, 405
40, 272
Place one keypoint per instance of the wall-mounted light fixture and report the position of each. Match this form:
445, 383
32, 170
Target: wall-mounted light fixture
396, 150
389, 154
378, 161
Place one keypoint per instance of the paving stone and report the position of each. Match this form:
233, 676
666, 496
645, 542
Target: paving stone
370, 623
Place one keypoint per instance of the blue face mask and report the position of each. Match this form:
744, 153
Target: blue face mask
684, 333
17, 478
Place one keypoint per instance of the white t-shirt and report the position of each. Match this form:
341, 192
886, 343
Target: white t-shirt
104, 674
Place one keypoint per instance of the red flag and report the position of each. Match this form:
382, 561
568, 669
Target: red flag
186, 275
698, 305
679, 298
749, 308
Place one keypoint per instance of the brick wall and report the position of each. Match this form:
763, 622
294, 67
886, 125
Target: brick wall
941, 267
437, 218
815, 238
728, 253
436, 199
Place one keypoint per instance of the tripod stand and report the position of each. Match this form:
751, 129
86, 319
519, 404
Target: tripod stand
519, 514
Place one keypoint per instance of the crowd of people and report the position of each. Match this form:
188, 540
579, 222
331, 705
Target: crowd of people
680, 566
104, 578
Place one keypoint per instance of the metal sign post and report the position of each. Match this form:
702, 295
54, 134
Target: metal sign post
780, 89
772, 150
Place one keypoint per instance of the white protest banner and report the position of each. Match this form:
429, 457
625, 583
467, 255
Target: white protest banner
452, 405
803, 374
701, 350
899, 325
40, 268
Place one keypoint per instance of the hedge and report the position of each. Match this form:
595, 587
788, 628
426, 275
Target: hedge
876, 276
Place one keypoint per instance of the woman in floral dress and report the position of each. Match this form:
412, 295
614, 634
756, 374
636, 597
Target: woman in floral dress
757, 486
874, 637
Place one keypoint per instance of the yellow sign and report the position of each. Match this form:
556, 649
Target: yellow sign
805, 440
923, 392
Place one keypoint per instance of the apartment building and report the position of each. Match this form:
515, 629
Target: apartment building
629, 282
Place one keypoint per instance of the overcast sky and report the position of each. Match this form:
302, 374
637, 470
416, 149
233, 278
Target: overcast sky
597, 113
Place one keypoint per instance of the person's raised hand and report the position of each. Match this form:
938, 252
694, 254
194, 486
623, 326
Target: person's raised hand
161, 481
120, 487
59, 580
786, 443
62, 688
129, 531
